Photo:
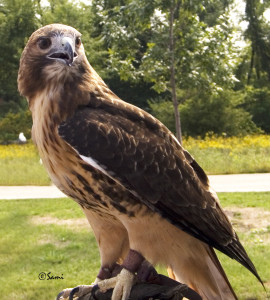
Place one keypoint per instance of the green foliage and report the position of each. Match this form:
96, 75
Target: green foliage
17, 22
166, 44
213, 10
137, 35
136, 93
163, 111
219, 113
258, 34
127, 42
257, 103
12, 124
12, 106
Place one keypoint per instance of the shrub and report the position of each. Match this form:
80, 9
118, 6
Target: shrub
163, 111
6, 107
217, 113
257, 103
12, 124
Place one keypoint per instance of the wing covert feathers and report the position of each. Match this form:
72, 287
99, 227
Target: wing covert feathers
144, 157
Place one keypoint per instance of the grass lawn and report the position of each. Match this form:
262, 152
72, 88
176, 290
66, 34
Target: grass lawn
52, 235
20, 165
231, 155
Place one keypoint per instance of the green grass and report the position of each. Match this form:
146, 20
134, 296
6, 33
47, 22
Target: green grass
231, 155
20, 165
223, 161
27, 249
251, 199
36, 237
23, 171
256, 242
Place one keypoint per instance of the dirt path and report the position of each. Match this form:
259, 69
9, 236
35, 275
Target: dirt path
220, 183
241, 182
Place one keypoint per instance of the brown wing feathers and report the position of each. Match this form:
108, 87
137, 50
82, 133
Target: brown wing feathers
165, 177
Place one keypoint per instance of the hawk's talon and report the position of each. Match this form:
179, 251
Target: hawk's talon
94, 289
74, 293
58, 297
64, 295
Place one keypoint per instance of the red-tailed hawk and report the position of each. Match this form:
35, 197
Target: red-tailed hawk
144, 196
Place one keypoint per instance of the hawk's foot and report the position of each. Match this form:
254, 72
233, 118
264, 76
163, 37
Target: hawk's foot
120, 278
121, 285
80, 292
134, 267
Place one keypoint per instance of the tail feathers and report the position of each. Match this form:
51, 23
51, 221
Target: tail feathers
205, 276
236, 251
218, 270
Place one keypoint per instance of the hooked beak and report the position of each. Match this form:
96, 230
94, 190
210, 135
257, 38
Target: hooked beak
65, 52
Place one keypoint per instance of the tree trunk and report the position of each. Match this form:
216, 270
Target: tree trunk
172, 79
251, 66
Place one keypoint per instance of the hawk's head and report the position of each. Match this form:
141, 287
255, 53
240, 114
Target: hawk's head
53, 55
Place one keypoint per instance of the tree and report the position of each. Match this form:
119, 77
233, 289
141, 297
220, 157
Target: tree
213, 10
253, 70
17, 21
165, 43
226, 114
173, 10
257, 103
258, 33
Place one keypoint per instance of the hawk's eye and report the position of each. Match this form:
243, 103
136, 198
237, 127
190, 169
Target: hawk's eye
44, 43
78, 41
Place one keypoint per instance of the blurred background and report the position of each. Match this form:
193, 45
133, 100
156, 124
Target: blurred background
200, 66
